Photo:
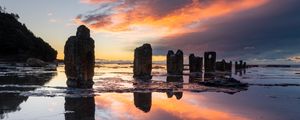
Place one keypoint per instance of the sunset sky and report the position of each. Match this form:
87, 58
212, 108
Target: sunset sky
254, 30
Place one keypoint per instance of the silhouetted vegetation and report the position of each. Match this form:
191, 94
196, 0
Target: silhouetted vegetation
18, 43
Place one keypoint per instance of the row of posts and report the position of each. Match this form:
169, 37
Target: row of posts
175, 63
79, 61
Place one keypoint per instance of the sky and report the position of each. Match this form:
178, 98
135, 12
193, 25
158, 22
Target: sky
259, 31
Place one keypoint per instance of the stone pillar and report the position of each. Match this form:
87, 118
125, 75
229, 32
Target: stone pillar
223, 66
195, 63
79, 59
175, 62
241, 64
210, 61
236, 65
245, 65
142, 64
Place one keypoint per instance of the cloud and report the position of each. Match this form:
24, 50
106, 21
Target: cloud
52, 20
267, 32
96, 1
167, 17
236, 29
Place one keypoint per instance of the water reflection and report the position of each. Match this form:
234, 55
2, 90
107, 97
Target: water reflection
10, 101
143, 101
179, 84
240, 72
82, 108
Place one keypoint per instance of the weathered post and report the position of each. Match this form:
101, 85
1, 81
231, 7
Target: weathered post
223, 66
210, 61
195, 63
244, 65
142, 64
241, 64
79, 59
175, 62
236, 65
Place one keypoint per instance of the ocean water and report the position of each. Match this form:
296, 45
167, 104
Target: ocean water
28, 93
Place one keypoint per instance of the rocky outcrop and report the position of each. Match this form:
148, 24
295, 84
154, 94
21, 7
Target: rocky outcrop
195, 63
80, 59
33, 62
18, 43
175, 62
142, 64
210, 61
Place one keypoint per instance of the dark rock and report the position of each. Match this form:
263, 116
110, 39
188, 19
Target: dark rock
18, 43
33, 62
195, 63
223, 66
174, 78
175, 62
80, 59
142, 64
210, 61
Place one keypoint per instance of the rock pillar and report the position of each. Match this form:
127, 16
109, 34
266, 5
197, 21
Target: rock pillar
175, 62
223, 66
79, 59
210, 61
142, 64
195, 63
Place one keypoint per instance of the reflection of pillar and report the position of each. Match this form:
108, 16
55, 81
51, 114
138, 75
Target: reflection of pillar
179, 80
80, 108
142, 64
210, 61
143, 101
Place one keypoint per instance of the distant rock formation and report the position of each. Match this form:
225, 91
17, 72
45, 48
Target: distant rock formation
142, 64
195, 63
80, 59
33, 62
175, 62
210, 61
18, 43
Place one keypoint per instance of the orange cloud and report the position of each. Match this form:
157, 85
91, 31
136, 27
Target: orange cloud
136, 15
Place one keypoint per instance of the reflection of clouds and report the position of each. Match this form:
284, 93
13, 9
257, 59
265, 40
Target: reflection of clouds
121, 106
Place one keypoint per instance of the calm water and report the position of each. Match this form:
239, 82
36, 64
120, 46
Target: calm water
41, 94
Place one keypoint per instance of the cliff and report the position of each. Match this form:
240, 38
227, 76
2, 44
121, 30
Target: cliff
17, 43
